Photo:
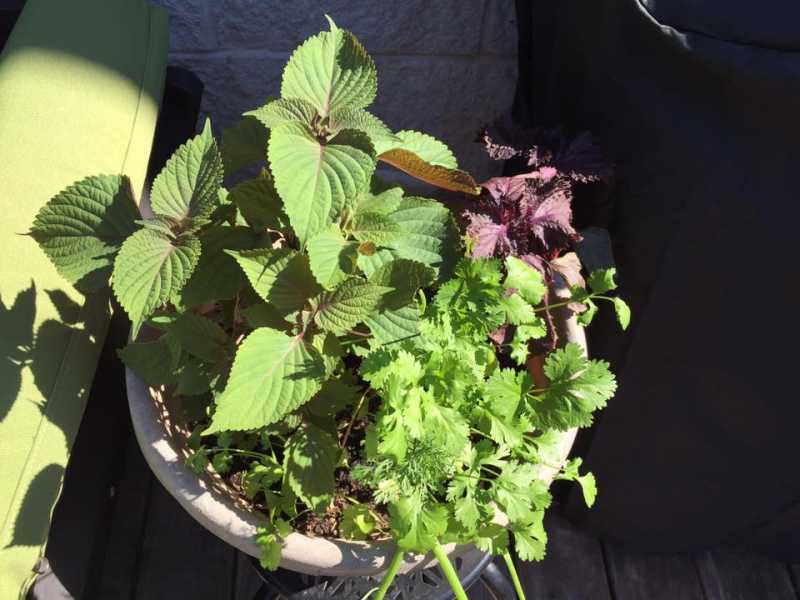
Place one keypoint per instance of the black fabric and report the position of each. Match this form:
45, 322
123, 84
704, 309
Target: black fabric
9, 12
699, 112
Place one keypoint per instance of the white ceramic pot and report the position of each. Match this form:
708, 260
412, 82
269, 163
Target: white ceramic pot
215, 505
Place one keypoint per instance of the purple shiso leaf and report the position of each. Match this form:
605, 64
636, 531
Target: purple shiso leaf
549, 216
506, 188
489, 237
536, 261
498, 151
582, 160
514, 187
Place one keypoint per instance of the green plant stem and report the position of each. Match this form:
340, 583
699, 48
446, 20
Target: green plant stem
514, 577
391, 573
547, 307
480, 433
449, 572
352, 421
403, 339
242, 452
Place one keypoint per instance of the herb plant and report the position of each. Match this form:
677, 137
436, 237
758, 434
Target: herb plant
337, 353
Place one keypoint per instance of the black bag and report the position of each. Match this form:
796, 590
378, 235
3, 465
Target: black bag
698, 104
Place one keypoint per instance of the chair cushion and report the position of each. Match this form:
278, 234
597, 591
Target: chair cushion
80, 87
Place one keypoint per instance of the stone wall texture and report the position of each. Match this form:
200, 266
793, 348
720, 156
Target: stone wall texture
444, 66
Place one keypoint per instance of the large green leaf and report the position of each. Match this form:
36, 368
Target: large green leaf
82, 228
199, 336
217, 276
244, 144
374, 227
406, 277
331, 70
391, 326
264, 314
332, 257
369, 263
315, 180
334, 396
188, 184
259, 203
273, 375
311, 458
284, 110
280, 276
427, 232
154, 362
150, 269
349, 304
426, 147
351, 117
379, 199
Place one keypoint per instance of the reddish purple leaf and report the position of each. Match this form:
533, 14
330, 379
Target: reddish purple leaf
583, 160
490, 237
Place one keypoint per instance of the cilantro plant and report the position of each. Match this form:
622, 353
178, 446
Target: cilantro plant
338, 360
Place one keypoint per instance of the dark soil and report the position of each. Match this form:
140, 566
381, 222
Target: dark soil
327, 524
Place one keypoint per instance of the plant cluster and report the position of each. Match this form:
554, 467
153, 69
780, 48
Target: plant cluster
335, 351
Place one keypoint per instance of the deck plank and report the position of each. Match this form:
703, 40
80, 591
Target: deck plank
247, 582
732, 574
180, 557
794, 573
117, 580
634, 575
572, 570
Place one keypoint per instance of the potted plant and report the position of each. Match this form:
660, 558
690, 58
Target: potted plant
317, 371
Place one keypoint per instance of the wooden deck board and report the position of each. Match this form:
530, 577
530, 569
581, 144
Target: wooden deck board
794, 573
157, 551
117, 580
729, 574
246, 581
637, 576
180, 558
572, 570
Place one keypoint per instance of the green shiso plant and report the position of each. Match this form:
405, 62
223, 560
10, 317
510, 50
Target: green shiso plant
333, 343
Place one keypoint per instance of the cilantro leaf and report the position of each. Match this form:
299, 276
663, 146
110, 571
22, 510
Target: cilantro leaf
602, 281
578, 387
417, 525
524, 278
530, 539
623, 312
357, 522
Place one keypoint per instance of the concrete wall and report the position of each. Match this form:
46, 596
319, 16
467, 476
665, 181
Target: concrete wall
444, 66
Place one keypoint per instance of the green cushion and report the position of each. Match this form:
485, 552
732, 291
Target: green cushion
80, 86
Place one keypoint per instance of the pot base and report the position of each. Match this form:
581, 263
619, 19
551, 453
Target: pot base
426, 584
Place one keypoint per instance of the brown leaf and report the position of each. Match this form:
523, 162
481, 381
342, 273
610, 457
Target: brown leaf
454, 180
569, 265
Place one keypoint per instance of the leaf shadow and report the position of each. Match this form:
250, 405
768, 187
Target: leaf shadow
310, 369
33, 520
24, 348
16, 343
